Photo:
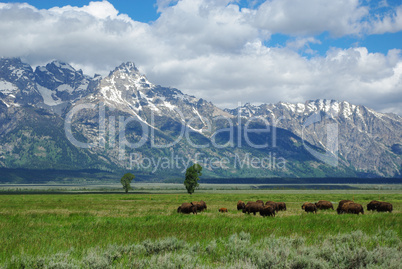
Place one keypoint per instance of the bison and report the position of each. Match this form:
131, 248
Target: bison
304, 205
260, 201
341, 203
187, 208
310, 207
267, 210
223, 209
200, 206
273, 204
240, 205
354, 208
280, 206
384, 207
204, 204
324, 205
351, 208
252, 207
373, 205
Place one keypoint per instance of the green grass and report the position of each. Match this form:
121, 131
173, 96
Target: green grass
44, 225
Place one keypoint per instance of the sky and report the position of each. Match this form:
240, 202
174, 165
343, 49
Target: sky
227, 52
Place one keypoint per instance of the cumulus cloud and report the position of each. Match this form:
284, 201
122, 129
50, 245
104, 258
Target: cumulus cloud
217, 50
310, 17
391, 23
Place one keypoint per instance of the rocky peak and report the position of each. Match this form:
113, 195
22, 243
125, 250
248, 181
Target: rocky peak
61, 82
17, 82
58, 73
15, 71
127, 67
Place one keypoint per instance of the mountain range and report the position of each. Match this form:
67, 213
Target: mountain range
57, 118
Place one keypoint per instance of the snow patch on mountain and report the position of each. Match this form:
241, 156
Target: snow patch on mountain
168, 105
49, 98
7, 87
65, 88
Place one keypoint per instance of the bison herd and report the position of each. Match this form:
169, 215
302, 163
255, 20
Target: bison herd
347, 206
267, 209
192, 207
270, 208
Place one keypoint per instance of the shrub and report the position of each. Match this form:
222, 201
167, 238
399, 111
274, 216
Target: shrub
352, 250
167, 244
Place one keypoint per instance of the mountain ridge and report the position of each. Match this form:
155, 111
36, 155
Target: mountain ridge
369, 141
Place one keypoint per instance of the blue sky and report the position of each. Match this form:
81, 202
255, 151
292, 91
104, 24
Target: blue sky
276, 50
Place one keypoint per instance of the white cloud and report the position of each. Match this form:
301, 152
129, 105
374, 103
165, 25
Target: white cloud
197, 26
299, 43
310, 17
390, 23
214, 50
99, 10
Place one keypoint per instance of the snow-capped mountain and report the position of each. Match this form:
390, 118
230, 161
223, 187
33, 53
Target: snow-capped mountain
59, 82
366, 138
35, 106
17, 83
130, 91
53, 86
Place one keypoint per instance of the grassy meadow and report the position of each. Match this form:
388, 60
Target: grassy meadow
101, 230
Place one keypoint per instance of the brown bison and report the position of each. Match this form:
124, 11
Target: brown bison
267, 210
351, 208
354, 208
324, 205
222, 209
343, 208
384, 207
204, 204
252, 207
310, 207
273, 204
200, 206
187, 208
260, 201
341, 203
304, 205
373, 205
240, 205
280, 206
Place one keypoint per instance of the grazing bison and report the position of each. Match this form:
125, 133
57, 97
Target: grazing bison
384, 207
351, 208
240, 205
373, 205
187, 208
339, 209
252, 207
324, 205
267, 210
280, 206
304, 205
344, 207
204, 204
222, 209
310, 207
273, 204
354, 208
200, 206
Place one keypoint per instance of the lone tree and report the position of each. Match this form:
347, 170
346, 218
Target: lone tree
126, 180
192, 177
